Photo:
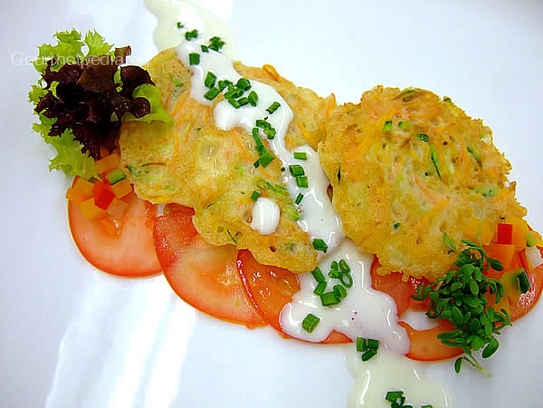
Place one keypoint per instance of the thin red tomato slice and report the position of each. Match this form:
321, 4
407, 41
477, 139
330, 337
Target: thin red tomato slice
400, 290
425, 346
270, 288
203, 275
131, 254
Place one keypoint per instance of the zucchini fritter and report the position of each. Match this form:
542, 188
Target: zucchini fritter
195, 164
407, 166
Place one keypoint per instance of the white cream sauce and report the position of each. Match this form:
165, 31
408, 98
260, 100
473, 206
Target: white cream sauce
266, 214
318, 218
364, 312
386, 372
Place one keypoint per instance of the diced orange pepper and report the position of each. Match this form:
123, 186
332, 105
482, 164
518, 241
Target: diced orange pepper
76, 195
83, 186
122, 188
91, 211
107, 163
502, 252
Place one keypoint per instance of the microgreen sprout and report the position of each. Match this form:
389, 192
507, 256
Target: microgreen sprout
461, 297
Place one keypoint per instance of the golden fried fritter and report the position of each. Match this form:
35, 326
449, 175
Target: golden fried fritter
407, 166
194, 163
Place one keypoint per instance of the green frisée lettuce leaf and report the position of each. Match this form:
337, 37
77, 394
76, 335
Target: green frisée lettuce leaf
70, 159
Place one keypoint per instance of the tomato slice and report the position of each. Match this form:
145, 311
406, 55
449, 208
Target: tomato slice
203, 275
130, 254
270, 288
425, 346
399, 289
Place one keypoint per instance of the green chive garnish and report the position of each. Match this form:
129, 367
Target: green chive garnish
189, 35
194, 58
253, 98
243, 84
320, 245
300, 155
180, 24
255, 195
387, 127
318, 275
320, 288
296, 170
302, 182
299, 198
210, 79
273, 107
212, 94
329, 299
310, 323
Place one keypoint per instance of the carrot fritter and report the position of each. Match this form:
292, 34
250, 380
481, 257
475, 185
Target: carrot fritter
195, 164
406, 167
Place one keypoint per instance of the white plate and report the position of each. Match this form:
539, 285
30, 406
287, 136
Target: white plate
74, 337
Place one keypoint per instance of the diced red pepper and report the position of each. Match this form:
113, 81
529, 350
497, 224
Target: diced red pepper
103, 196
504, 234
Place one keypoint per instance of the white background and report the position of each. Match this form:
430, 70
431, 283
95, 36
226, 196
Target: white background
71, 336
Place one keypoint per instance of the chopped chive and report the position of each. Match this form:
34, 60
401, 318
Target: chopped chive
266, 158
223, 83
344, 266
373, 344
361, 344
424, 137
262, 123
301, 181
394, 396
299, 198
346, 279
256, 137
216, 43
426, 406
180, 24
320, 245
270, 132
189, 35
210, 79
296, 170
329, 299
233, 93
318, 275
273, 107
204, 48
403, 125
212, 93
340, 291
255, 195
523, 281
253, 98
300, 155
244, 84
368, 354
243, 101
234, 102
387, 127
194, 58
320, 288
334, 271
310, 323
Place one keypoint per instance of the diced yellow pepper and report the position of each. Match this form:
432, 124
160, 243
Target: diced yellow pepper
122, 188
91, 211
